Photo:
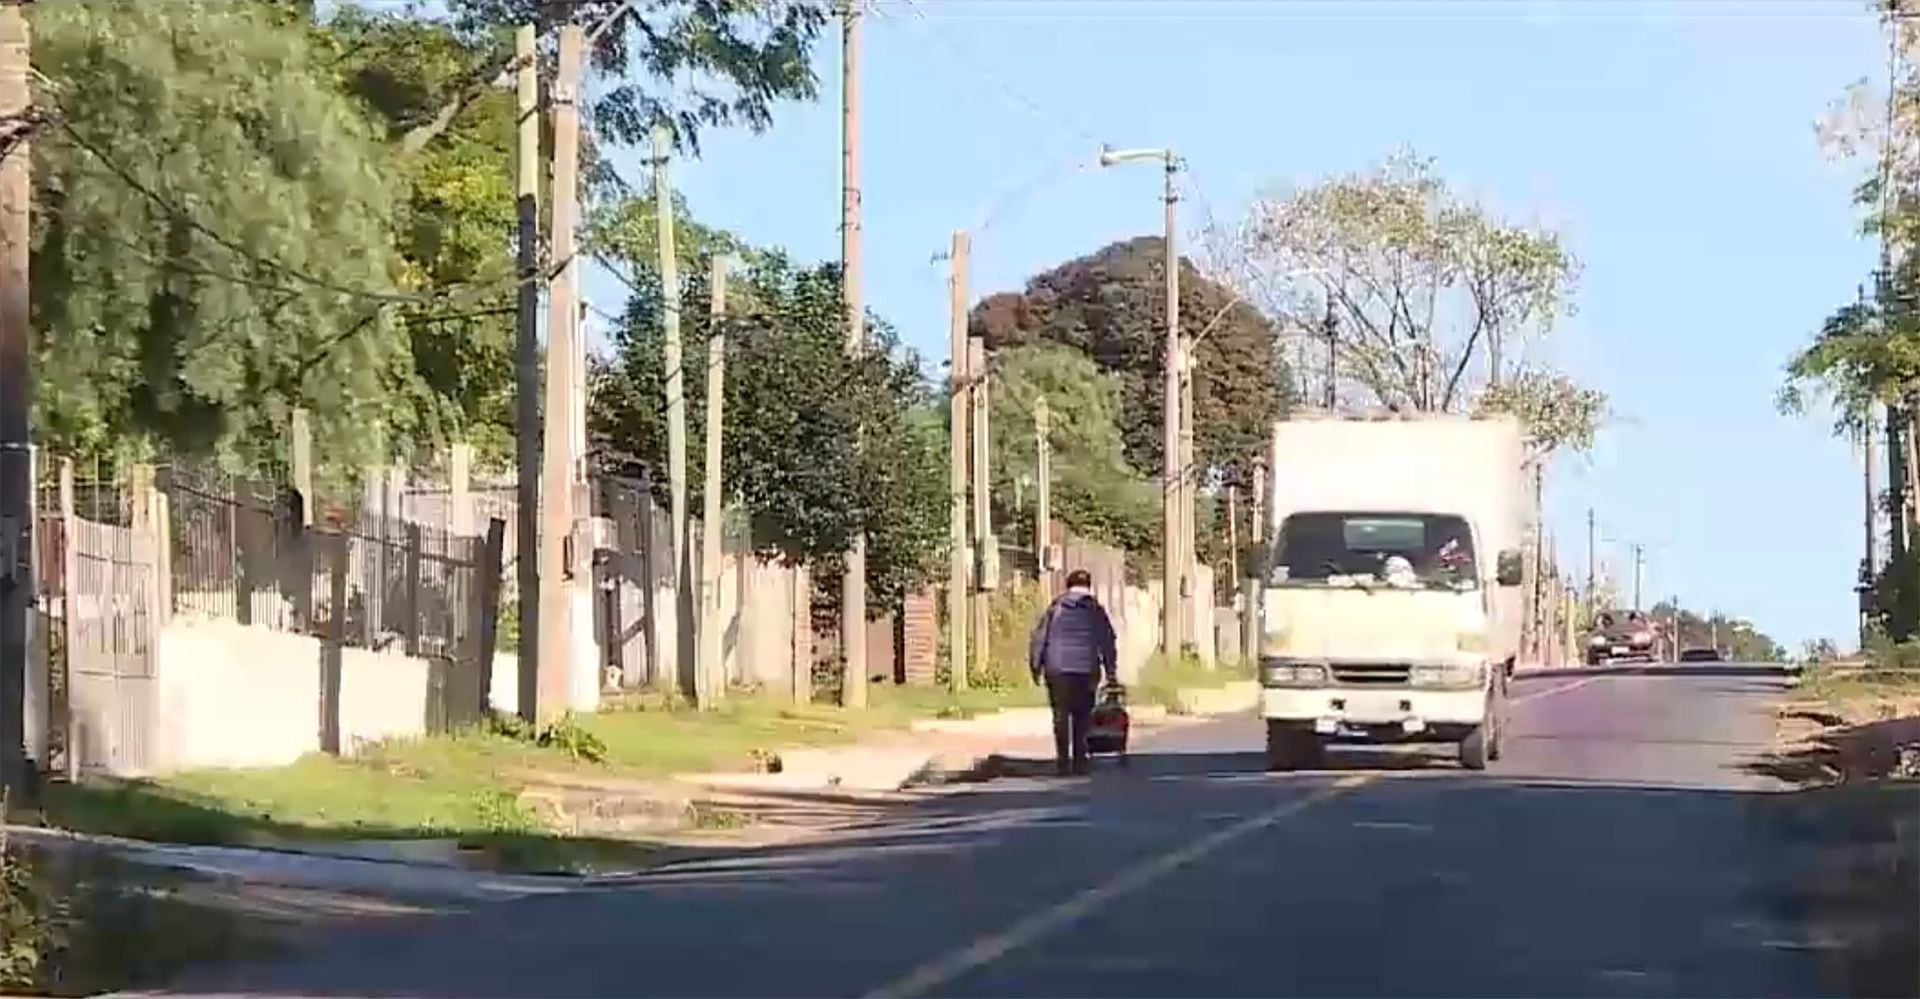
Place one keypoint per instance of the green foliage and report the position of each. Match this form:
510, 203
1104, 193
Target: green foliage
820, 443
1738, 638
212, 236
1012, 614
1554, 409
564, 735
688, 64
1097, 494
1425, 290
32, 924
1111, 306
455, 224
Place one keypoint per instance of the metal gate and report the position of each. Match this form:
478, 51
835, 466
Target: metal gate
109, 609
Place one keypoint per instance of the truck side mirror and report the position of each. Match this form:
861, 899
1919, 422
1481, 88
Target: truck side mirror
1509, 571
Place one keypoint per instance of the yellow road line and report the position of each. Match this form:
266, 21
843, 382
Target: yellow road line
994, 946
1549, 692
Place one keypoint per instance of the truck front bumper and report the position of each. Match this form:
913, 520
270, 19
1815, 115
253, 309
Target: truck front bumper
1396, 714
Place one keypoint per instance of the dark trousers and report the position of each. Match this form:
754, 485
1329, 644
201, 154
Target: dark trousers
1071, 697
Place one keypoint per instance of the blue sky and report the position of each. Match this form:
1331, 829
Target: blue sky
1671, 142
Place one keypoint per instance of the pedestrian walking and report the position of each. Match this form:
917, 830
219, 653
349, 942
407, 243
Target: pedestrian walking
1072, 646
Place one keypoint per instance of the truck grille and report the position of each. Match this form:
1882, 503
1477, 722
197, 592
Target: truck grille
1371, 674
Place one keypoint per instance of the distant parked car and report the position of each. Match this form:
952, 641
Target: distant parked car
1702, 656
1621, 636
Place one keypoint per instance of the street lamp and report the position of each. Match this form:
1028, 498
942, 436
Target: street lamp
1176, 424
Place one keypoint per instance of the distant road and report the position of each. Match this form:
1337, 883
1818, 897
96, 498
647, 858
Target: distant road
1620, 848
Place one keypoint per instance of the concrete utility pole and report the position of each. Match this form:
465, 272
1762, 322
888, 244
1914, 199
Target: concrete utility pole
1592, 598
674, 360
853, 584
712, 683
1174, 567
1043, 502
1871, 498
527, 366
1639, 562
960, 572
16, 456
1181, 410
557, 551
983, 543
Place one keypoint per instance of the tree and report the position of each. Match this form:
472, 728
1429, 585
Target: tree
796, 402
1433, 297
1111, 306
1096, 493
1737, 638
686, 64
212, 241
455, 224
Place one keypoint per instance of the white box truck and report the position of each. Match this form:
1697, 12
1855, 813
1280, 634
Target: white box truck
1392, 605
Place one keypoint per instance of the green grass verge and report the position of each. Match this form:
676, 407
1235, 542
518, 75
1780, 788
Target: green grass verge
466, 786
1163, 677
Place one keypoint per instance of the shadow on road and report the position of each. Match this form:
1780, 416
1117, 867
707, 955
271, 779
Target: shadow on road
1731, 871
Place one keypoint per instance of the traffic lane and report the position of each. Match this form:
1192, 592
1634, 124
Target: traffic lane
1450, 886
1438, 881
834, 919
1685, 725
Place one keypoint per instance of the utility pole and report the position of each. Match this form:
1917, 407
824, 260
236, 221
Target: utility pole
527, 366
1592, 535
1173, 577
1331, 327
1870, 499
1869, 562
1639, 561
1537, 590
1251, 632
674, 360
557, 551
959, 573
1236, 579
1043, 503
853, 584
983, 544
712, 682
16, 458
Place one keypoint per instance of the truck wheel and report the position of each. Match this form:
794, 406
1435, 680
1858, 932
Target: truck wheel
1497, 722
1474, 749
1290, 748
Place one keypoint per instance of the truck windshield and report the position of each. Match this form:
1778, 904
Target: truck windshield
1412, 550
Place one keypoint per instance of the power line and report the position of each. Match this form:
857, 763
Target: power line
974, 65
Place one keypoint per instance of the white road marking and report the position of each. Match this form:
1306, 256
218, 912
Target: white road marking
994, 946
1399, 826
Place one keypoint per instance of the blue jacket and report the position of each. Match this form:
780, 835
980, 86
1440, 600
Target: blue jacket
1074, 636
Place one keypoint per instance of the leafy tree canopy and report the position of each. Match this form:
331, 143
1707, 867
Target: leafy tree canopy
796, 403
212, 237
1097, 494
1111, 306
1737, 638
455, 225
1431, 297
687, 64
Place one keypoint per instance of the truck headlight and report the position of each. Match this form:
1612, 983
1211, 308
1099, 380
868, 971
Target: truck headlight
1277, 673
1597, 640
1448, 675
1472, 641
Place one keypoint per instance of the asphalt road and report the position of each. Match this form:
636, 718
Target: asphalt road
1620, 848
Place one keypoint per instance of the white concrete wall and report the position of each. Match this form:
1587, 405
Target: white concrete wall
383, 695
237, 696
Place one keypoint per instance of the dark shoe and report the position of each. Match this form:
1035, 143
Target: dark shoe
1082, 767
1060, 768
